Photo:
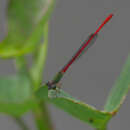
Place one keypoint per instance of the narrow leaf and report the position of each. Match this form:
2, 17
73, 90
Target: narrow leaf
76, 108
120, 90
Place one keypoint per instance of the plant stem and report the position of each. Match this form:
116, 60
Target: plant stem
102, 128
21, 123
40, 58
41, 113
42, 118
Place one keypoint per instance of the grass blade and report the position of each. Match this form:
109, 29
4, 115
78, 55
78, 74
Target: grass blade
120, 90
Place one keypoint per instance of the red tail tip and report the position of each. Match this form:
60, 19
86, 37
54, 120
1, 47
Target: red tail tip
104, 22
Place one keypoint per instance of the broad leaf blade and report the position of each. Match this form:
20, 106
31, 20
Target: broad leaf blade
15, 95
17, 109
26, 19
120, 90
14, 89
76, 108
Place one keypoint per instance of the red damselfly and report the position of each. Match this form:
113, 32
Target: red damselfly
89, 42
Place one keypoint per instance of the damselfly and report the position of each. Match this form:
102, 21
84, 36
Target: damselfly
89, 42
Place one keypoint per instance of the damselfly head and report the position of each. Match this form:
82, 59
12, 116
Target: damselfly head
51, 86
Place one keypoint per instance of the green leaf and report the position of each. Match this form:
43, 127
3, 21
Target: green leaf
76, 108
15, 95
14, 89
120, 90
26, 19
17, 109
